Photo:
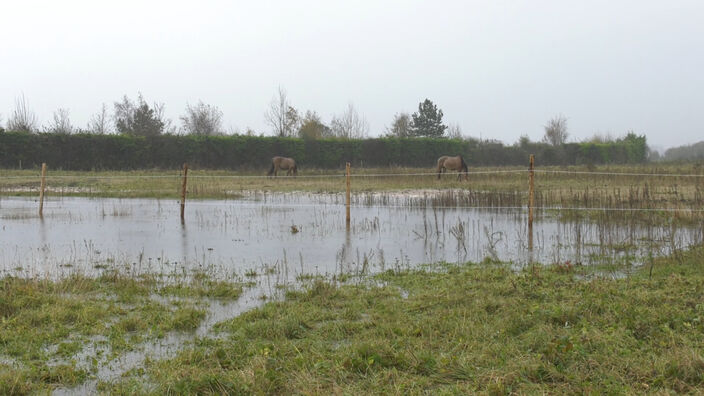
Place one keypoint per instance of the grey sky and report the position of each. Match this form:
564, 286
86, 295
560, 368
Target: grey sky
499, 69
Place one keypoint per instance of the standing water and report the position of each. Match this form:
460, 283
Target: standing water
304, 231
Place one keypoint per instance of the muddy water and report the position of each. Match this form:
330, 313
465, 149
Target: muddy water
296, 232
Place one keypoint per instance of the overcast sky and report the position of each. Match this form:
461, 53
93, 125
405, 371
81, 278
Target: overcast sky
498, 69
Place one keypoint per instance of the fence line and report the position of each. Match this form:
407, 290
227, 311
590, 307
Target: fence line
192, 176
357, 175
341, 205
95, 177
342, 175
430, 206
619, 173
420, 205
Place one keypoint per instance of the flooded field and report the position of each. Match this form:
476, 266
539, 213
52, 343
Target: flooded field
302, 233
270, 243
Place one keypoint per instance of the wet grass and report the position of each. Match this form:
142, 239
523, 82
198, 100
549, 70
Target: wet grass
632, 196
56, 333
441, 328
458, 329
560, 188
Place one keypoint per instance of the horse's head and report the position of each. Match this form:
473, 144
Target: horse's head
295, 169
463, 167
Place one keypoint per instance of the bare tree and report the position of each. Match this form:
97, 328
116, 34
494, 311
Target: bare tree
60, 123
281, 116
160, 114
454, 131
293, 121
202, 119
350, 125
400, 126
556, 130
22, 119
100, 122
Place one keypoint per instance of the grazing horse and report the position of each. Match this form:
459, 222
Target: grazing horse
453, 163
287, 164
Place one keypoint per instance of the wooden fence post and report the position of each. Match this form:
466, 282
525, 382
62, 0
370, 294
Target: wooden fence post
183, 190
531, 201
347, 196
41, 190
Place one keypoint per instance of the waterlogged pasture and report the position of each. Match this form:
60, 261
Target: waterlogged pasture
305, 233
117, 295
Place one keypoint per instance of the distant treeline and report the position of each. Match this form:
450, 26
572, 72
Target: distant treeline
685, 153
125, 152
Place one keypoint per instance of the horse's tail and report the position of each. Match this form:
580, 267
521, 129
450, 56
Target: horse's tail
440, 165
271, 171
295, 169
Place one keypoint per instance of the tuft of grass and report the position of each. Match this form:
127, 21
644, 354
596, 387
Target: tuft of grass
204, 288
187, 318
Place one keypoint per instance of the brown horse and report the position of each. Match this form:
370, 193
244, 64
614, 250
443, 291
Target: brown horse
453, 163
287, 164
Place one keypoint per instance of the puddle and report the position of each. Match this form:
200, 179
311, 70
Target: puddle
166, 347
303, 233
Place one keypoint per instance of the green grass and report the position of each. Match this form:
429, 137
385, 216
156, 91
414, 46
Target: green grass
461, 329
225, 184
678, 195
44, 324
445, 328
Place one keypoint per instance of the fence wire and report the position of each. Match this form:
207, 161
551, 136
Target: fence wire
618, 173
427, 206
355, 175
382, 175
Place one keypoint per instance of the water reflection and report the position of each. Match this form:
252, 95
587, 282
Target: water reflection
236, 236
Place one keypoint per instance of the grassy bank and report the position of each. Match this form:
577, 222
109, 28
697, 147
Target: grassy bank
459, 329
442, 329
59, 333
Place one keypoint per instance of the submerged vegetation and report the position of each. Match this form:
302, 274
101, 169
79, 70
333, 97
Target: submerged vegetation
645, 191
61, 333
444, 328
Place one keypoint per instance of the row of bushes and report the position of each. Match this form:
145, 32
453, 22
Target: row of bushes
121, 152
